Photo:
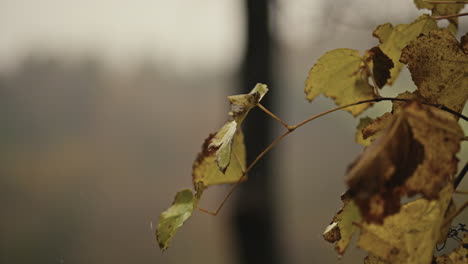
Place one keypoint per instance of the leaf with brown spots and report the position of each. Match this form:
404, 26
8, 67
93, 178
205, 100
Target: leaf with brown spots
464, 42
205, 171
359, 137
409, 236
439, 68
394, 39
342, 228
369, 129
414, 154
440, 134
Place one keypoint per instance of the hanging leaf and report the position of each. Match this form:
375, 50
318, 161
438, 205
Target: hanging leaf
443, 10
439, 73
222, 141
240, 106
343, 227
415, 154
205, 170
383, 166
394, 39
341, 75
174, 217
222, 160
409, 236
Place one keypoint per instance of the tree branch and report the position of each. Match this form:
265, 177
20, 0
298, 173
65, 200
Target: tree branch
291, 129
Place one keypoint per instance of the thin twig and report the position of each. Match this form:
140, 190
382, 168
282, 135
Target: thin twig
259, 156
233, 188
378, 100
291, 129
450, 16
449, 219
240, 163
462, 192
274, 116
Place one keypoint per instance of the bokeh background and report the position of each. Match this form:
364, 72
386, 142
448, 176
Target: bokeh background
104, 105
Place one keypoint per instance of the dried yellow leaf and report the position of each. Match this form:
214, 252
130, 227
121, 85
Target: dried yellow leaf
205, 171
409, 236
339, 74
343, 227
394, 39
439, 73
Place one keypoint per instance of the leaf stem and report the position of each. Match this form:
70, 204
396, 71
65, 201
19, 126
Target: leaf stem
291, 129
273, 115
244, 173
450, 16
378, 99
449, 219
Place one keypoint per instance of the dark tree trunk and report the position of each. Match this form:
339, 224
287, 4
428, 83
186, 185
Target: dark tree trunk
254, 216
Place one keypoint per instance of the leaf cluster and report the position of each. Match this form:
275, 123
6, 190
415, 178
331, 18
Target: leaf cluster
222, 160
409, 151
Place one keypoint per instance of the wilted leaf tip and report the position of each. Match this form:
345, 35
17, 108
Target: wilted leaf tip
241, 104
343, 227
222, 142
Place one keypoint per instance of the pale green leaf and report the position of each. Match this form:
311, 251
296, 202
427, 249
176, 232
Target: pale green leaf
223, 141
174, 217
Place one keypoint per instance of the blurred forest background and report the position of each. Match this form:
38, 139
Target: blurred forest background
105, 104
